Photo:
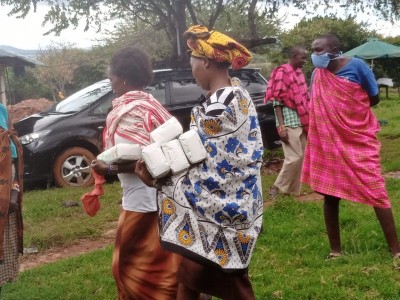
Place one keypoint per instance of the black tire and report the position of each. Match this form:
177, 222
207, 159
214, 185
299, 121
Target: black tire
72, 168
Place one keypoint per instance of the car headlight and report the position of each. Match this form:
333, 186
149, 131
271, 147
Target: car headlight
32, 137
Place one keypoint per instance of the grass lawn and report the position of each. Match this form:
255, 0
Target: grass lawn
289, 261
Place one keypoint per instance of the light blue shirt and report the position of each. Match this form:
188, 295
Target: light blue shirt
359, 72
4, 124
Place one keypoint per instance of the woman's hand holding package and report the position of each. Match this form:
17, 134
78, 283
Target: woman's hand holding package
143, 173
99, 166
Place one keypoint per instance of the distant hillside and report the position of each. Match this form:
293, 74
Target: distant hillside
28, 53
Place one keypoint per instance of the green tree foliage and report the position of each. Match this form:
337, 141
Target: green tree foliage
60, 61
92, 68
25, 86
130, 33
169, 16
174, 16
69, 69
234, 21
388, 67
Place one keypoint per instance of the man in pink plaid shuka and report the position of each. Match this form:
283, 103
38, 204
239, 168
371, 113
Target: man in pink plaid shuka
342, 156
342, 153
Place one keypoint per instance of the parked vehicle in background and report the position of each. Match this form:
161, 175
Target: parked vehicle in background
60, 142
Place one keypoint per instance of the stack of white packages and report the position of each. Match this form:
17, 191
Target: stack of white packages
192, 146
155, 160
166, 132
176, 158
170, 153
121, 153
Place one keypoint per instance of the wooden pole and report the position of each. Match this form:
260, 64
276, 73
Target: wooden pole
3, 85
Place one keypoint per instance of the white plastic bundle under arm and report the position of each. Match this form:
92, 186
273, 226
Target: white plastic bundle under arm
176, 158
166, 132
192, 146
155, 160
121, 153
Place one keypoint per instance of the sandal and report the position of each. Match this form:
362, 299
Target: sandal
333, 255
396, 261
273, 193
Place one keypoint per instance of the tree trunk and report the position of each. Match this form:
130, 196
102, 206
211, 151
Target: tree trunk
251, 20
182, 60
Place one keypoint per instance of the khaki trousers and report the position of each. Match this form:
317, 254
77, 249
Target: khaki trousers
288, 180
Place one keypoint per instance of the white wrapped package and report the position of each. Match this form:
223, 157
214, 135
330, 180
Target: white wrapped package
155, 160
121, 153
166, 132
192, 146
176, 158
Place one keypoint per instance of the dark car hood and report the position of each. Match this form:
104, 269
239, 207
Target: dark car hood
38, 122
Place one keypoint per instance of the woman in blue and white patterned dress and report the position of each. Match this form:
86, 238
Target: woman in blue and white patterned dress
212, 213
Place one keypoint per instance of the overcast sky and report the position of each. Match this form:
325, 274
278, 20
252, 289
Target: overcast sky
28, 33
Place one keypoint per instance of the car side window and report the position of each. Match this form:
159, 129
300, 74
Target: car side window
254, 83
157, 89
104, 107
185, 90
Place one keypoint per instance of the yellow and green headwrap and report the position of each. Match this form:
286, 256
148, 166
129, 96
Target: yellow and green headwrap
216, 46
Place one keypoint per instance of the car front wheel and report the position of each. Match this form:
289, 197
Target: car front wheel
72, 168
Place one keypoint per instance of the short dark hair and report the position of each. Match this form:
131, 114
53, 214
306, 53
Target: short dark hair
295, 50
332, 39
132, 65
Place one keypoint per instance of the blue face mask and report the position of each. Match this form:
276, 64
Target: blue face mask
322, 61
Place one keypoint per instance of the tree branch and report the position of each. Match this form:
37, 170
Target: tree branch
215, 15
251, 43
191, 11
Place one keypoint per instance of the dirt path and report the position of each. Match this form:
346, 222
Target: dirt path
29, 261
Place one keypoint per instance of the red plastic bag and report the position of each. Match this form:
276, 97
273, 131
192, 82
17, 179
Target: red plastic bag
91, 201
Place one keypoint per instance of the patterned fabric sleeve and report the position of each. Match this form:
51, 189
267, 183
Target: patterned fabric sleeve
217, 103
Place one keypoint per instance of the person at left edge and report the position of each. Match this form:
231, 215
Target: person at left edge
11, 227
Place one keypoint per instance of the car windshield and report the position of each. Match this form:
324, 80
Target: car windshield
82, 98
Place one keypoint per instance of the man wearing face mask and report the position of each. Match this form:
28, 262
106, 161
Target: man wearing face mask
342, 153
287, 89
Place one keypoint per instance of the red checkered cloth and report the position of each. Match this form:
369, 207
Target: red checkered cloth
289, 86
342, 153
